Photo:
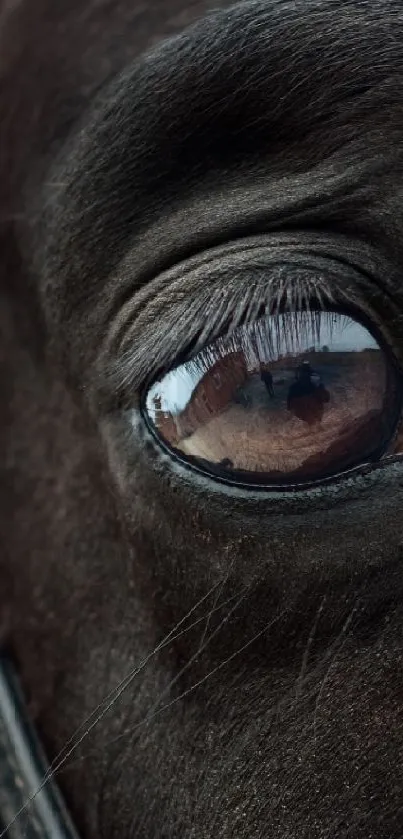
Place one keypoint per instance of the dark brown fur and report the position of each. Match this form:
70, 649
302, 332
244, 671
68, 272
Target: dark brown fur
270, 133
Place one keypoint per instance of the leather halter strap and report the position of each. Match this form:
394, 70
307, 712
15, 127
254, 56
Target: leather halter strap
23, 767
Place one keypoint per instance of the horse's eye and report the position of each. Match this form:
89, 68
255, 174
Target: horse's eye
292, 399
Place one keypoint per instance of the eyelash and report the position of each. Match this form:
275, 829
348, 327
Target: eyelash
180, 336
305, 324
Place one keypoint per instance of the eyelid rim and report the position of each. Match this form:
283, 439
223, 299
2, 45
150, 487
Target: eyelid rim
272, 492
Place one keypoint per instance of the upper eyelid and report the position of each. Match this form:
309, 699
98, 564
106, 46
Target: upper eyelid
163, 319
154, 344
216, 265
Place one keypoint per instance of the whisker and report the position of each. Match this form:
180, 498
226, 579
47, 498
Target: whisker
308, 646
334, 651
193, 687
205, 678
214, 609
202, 646
61, 767
107, 703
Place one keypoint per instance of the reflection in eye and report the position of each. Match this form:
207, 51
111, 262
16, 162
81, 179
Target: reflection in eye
293, 398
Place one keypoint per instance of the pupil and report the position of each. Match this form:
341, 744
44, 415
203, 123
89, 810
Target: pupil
293, 398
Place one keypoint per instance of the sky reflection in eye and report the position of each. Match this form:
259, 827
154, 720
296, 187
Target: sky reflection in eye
344, 334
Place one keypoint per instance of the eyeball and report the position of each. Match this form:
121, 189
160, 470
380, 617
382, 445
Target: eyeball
291, 399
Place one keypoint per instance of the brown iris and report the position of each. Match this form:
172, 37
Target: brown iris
292, 398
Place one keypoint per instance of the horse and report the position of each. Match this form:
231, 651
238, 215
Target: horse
197, 656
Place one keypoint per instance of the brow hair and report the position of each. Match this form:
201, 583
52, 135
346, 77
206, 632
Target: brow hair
320, 76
